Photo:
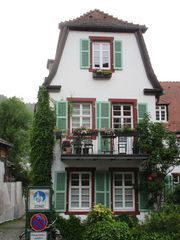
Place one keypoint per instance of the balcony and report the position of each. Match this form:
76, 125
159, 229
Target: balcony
101, 145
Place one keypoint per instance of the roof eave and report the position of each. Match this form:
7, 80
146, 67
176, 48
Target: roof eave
103, 28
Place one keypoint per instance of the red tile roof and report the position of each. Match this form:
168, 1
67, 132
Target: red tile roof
172, 98
98, 19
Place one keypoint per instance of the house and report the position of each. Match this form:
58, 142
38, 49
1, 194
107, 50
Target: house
5, 165
168, 112
102, 82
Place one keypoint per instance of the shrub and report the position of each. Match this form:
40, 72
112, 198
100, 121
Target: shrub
71, 229
99, 213
166, 220
140, 234
131, 220
106, 230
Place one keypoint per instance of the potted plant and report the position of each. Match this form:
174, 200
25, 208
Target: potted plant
77, 144
66, 147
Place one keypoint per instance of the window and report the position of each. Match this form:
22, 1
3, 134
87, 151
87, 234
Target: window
101, 55
161, 113
123, 192
122, 115
80, 191
81, 115
176, 178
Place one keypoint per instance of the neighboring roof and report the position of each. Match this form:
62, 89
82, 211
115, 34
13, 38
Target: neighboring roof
5, 143
172, 98
97, 20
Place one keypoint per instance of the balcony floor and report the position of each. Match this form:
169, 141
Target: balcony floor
111, 157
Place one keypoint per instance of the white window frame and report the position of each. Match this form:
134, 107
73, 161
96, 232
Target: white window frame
123, 187
122, 116
81, 115
101, 55
176, 179
160, 109
80, 188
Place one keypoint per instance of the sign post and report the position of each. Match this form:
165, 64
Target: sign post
38, 213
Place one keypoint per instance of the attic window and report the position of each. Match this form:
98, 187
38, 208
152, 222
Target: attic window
101, 53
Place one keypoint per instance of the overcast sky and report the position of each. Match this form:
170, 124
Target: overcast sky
29, 35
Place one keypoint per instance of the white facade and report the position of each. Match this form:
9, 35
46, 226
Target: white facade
127, 83
77, 178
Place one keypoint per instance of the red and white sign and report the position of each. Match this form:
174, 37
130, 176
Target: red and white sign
38, 222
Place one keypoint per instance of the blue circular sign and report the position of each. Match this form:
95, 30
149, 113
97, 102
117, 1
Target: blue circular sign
39, 197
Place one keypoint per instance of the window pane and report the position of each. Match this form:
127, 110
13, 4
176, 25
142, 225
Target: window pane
75, 183
118, 198
74, 198
85, 204
85, 198
76, 109
128, 204
118, 191
74, 191
74, 204
75, 122
128, 180
86, 109
118, 204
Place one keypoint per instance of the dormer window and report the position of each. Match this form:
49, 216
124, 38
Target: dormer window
101, 55
161, 113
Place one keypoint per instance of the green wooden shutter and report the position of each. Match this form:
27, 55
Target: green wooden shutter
102, 188
60, 191
142, 109
118, 55
143, 191
168, 186
61, 115
102, 120
84, 53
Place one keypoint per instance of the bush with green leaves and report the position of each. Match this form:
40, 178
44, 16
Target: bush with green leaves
106, 230
131, 220
71, 228
99, 213
141, 234
100, 225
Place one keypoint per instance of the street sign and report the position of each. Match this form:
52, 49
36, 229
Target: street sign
38, 236
38, 222
39, 199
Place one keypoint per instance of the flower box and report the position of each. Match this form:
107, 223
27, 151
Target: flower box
102, 74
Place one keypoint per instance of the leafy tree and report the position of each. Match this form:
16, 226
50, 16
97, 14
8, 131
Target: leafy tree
42, 140
160, 144
15, 123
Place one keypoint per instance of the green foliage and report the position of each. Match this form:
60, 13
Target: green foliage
140, 234
174, 197
166, 220
15, 123
99, 213
161, 146
42, 140
106, 230
131, 220
71, 229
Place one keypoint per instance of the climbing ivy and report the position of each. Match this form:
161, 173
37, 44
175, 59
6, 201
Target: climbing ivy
42, 140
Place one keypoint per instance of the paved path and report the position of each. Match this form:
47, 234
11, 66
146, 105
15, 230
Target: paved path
11, 230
